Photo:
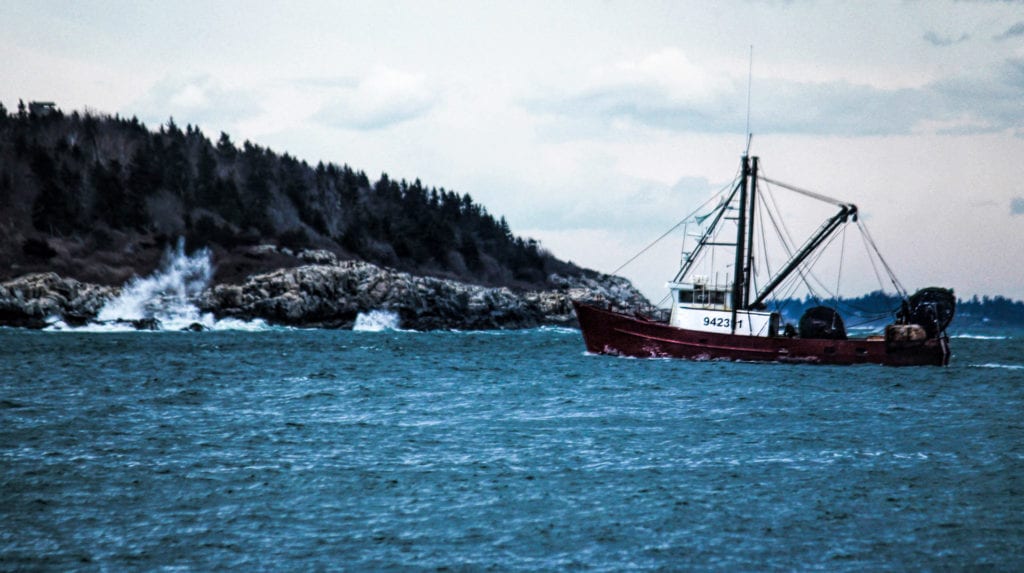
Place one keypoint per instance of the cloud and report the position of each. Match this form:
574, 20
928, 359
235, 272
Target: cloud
383, 98
991, 101
664, 89
636, 207
935, 39
1011, 32
1017, 206
782, 107
838, 108
195, 99
669, 93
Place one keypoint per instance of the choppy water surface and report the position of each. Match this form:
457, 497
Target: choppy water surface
384, 450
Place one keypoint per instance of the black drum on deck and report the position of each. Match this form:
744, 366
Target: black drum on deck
932, 308
822, 322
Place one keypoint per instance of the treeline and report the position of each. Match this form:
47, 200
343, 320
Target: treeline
995, 311
877, 308
88, 175
870, 310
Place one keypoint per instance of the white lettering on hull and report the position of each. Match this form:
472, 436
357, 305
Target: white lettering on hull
748, 323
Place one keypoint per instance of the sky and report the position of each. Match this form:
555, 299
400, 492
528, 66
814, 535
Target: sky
593, 127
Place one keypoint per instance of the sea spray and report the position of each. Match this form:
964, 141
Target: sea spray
376, 321
166, 294
164, 299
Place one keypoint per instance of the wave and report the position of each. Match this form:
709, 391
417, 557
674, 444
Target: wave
559, 330
162, 301
376, 321
388, 321
982, 336
207, 323
996, 365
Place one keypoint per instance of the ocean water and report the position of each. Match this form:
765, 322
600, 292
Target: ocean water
384, 450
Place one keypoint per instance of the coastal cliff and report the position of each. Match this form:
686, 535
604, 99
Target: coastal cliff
327, 293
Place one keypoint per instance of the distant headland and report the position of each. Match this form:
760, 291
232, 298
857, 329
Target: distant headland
89, 201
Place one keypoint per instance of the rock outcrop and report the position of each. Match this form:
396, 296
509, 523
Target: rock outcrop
327, 293
333, 294
35, 300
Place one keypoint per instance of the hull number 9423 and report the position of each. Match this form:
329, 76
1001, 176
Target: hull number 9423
721, 322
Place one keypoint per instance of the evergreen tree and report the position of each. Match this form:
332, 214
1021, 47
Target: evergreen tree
111, 197
225, 148
257, 189
206, 178
144, 179
227, 193
56, 208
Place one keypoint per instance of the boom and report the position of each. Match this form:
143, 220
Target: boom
827, 228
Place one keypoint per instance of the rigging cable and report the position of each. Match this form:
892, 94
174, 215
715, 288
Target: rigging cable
892, 276
871, 259
780, 228
805, 192
673, 228
805, 272
817, 256
807, 265
648, 247
869, 312
789, 286
775, 205
839, 273
762, 208
861, 312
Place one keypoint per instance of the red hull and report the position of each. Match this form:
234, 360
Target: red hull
606, 332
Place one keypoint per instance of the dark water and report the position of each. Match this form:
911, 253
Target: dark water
377, 451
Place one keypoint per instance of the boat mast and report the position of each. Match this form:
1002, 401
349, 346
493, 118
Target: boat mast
741, 229
749, 270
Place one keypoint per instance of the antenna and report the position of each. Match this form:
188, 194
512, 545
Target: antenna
750, 81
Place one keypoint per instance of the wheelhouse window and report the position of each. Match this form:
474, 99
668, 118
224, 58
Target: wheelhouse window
702, 295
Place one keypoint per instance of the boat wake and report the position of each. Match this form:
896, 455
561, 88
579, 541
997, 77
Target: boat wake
163, 301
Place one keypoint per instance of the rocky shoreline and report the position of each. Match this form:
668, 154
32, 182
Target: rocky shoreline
36, 300
327, 293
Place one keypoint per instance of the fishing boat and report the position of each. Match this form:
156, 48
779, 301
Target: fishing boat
725, 316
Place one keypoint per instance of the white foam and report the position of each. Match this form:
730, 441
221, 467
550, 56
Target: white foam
246, 325
559, 330
166, 295
376, 321
1003, 366
981, 337
61, 326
